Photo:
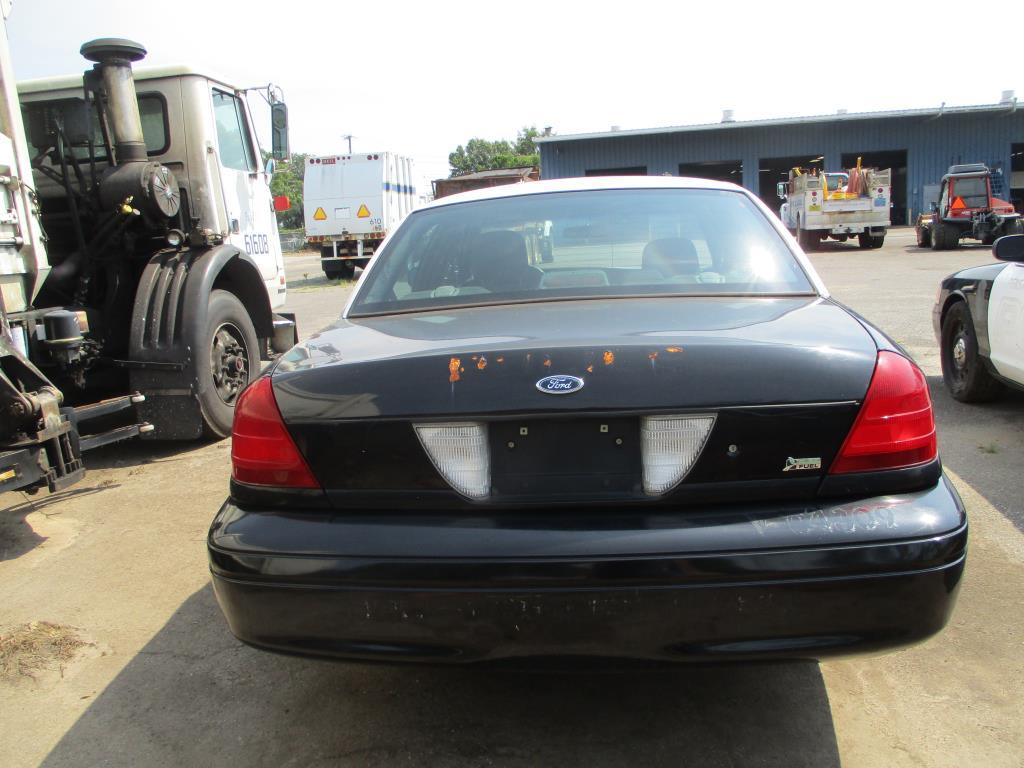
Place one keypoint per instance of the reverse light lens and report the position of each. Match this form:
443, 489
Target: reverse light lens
262, 451
895, 427
670, 446
461, 454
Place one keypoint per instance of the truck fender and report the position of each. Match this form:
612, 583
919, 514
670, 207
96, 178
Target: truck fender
168, 321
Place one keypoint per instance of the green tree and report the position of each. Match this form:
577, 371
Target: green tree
483, 155
287, 181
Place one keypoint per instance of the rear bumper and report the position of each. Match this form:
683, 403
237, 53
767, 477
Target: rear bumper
690, 586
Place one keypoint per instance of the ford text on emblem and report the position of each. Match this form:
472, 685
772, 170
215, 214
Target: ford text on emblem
560, 385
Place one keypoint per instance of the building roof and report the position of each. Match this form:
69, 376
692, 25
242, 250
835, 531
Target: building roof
839, 117
525, 170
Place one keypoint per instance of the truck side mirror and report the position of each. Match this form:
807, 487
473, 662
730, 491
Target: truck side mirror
933, 207
780, 189
279, 131
1009, 248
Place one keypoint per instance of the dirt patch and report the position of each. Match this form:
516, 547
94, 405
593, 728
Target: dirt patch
36, 648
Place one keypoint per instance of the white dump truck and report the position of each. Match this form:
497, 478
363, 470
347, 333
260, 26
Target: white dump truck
351, 202
837, 205
153, 298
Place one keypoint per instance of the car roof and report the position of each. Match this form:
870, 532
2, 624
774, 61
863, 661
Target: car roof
580, 184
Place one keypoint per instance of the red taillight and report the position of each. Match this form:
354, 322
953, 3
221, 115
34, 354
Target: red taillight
895, 427
262, 451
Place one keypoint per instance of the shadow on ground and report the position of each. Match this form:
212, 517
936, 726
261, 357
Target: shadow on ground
195, 696
16, 536
983, 443
136, 452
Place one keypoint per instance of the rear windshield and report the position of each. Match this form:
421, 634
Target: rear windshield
577, 245
973, 191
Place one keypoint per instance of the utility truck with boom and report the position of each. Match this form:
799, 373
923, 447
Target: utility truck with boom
351, 202
154, 298
838, 204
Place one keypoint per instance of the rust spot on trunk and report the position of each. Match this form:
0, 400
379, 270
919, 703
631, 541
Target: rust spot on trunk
590, 368
653, 356
673, 350
481, 363
453, 369
609, 358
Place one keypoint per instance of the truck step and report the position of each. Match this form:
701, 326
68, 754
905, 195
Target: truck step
89, 442
107, 407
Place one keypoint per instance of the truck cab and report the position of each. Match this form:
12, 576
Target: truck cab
164, 267
194, 124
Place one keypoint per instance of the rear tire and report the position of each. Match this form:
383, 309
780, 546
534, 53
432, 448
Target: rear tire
227, 363
808, 240
945, 236
867, 240
924, 237
963, 370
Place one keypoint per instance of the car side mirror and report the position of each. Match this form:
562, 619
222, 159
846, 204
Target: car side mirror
280, 149
1009, 248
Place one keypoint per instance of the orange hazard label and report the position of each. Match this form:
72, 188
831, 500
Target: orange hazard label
363, 212
320, 215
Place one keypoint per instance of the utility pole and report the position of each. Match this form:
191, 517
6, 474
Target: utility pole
349, 138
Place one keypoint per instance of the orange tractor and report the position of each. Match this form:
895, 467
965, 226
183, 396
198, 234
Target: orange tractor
966, 208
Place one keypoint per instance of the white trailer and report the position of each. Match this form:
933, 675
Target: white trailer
351, 202
837, 205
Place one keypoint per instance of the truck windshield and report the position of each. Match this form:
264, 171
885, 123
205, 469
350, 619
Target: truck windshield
587, 244
973, 191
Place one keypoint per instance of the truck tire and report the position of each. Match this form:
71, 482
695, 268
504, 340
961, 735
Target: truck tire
944, 236
924, 237
963, 370
866, 240
233, 353
808, 240
1015, 227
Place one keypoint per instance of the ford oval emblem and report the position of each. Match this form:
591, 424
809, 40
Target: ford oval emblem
560, 385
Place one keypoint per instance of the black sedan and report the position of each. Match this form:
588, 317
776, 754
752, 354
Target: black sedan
589, 418
979, 322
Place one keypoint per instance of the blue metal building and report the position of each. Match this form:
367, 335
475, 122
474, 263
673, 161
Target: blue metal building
918, 144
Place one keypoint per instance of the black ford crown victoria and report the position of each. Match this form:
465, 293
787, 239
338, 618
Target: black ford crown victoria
591, 418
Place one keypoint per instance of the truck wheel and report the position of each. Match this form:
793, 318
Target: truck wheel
864, 240
944, 236
234, 361
963, 370
924, 237
808, 240
877, 241
1015, 227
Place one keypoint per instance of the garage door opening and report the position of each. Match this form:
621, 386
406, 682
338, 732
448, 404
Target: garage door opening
729, 170
772, 170
1017, 176
895, 159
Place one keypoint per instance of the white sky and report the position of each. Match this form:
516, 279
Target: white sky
421, 78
